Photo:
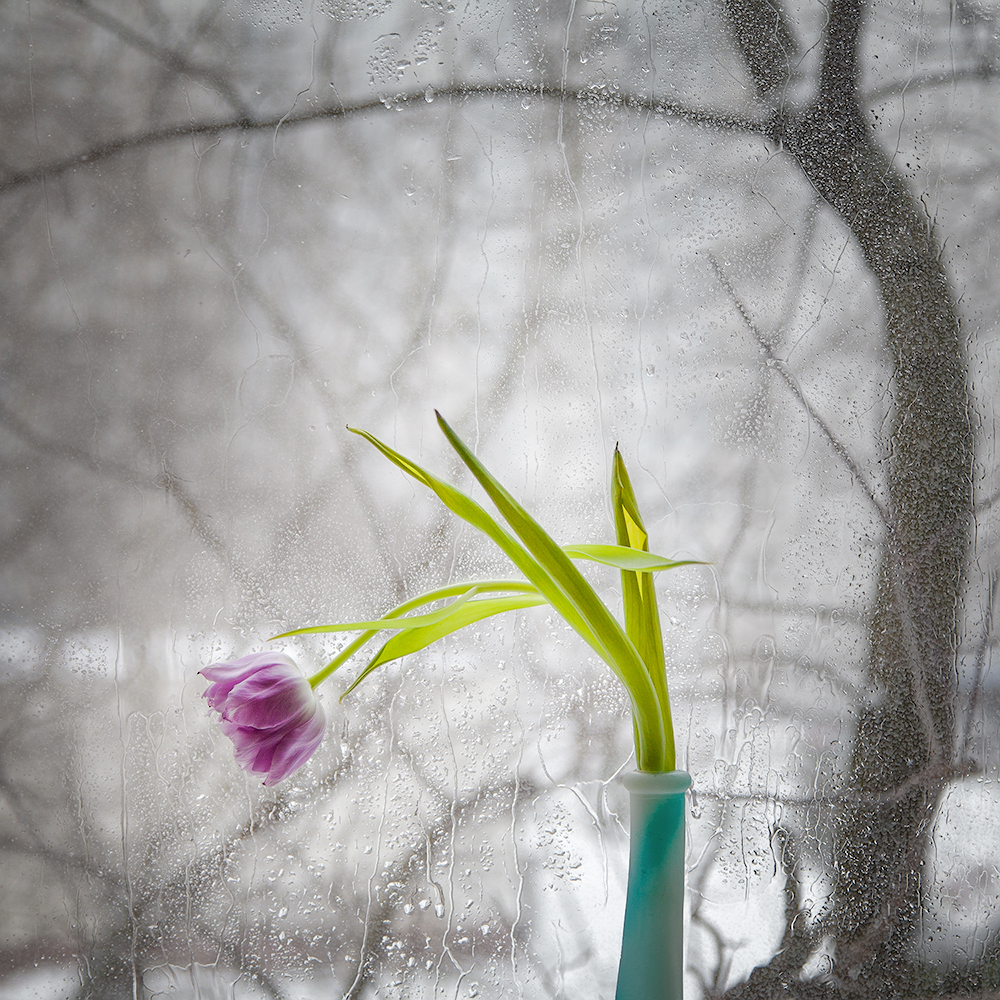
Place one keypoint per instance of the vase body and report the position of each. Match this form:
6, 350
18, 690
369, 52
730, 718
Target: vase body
652, 962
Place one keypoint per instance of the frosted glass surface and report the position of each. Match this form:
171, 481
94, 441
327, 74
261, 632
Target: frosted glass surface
751, 244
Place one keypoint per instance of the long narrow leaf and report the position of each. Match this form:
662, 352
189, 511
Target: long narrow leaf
386, 624
395, 620
622, 655
642, 615
431, 597
467, 509
623, 557
468, 613
343, 656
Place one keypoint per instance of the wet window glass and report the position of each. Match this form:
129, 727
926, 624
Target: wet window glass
751, 244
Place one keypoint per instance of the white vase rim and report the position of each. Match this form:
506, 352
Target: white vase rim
657, 782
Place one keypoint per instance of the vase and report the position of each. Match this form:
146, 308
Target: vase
652, 962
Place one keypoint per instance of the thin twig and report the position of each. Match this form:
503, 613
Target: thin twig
981, 649
934, 776
173, 59
927, 81
166, 482
783, 370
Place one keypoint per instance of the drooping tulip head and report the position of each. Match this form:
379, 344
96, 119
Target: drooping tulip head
268, 710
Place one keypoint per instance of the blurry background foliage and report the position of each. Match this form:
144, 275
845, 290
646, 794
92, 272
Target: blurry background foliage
751, 241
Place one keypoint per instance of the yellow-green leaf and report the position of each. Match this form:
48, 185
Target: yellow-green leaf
620, 652
642, 615
623, 557
461, 615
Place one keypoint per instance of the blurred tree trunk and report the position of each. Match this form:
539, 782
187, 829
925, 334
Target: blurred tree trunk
904, 743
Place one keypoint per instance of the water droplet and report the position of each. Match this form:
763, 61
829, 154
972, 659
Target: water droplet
283, 912
439, 910
429, 95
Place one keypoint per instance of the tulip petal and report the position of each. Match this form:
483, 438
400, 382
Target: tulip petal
296, 747
268, 710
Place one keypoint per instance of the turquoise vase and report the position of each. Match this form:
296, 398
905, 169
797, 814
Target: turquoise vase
652, 964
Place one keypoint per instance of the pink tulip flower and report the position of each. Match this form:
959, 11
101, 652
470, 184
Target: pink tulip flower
268, 710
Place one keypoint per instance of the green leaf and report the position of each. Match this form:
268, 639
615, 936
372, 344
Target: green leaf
642, 615
461, 615
383, 624
616, 647
343, 656
623, 557
467, 509
431, 597
395, 620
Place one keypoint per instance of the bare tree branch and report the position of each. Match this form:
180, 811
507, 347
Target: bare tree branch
166, 482
980, 663
929, 81
781, 367
719, 121
173, 59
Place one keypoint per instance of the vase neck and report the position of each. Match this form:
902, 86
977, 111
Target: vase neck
657, 782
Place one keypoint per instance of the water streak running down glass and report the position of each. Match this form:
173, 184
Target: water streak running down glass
751, 243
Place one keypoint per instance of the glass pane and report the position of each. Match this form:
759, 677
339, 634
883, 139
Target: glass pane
750, 244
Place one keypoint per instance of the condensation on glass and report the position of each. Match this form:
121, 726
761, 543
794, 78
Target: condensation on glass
752, 244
